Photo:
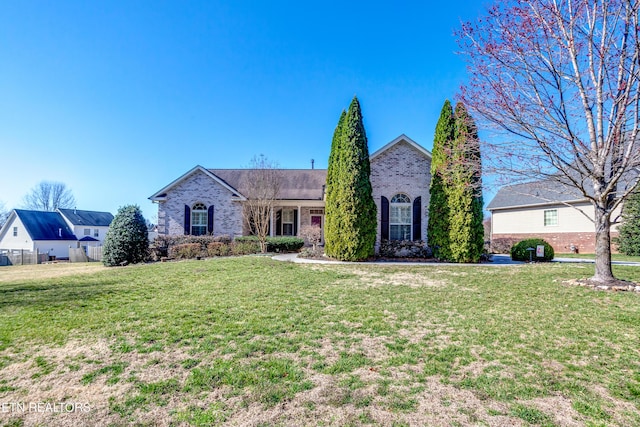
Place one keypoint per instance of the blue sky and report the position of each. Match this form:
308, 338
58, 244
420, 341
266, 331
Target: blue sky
117, 99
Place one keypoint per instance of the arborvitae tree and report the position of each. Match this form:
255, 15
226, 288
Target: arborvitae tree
127, 241
350, 209
438, 226
464, 191
628, 240
331, 228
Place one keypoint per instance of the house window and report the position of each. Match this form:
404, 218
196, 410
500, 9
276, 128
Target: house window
400, 217
15, 231
199, 219
287, 222
96, 233
550, 217
87, 232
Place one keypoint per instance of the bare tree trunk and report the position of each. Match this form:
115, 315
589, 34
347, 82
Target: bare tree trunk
603, 272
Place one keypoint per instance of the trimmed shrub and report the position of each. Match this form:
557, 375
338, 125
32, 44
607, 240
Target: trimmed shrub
275, 244
185, 251
218, 249
519, 251
127, 241
404, 249
245, 247
312, 234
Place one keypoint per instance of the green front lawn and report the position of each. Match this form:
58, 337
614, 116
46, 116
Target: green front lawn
614, 257
251, 341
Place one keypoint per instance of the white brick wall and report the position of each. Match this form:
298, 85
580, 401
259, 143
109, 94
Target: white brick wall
201, 188
401, 169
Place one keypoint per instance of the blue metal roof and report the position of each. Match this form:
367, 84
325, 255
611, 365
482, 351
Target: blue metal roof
92, 218
43, 225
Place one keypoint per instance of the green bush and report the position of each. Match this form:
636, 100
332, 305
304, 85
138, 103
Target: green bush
218, 249
519, 251
185, 251
245, 247
275, 244
127, 241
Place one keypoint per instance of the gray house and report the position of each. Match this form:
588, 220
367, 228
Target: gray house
210, 201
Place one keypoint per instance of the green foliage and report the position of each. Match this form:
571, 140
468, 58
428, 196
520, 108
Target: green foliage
350, 231
127, 240
628, 240
218, 249
519, 251
275, 244
466, 233
438, 226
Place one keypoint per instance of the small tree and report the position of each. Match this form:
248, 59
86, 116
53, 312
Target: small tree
313, 235
629, 239
127, 240
49, 196
438, 226
261, 192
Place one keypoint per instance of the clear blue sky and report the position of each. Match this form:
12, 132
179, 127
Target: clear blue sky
118, 98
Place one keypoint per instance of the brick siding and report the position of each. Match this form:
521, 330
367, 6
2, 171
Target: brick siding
561, 242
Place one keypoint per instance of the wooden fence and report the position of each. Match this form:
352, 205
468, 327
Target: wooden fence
93, 254
21, 257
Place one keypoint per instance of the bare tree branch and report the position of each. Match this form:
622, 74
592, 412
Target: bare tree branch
49, 196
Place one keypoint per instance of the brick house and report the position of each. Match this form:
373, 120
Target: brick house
210, 201
543, 209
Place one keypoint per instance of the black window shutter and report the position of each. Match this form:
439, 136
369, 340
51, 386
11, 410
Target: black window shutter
417, 218
187, 220
279, 222
210, 220
295, 222
384, 218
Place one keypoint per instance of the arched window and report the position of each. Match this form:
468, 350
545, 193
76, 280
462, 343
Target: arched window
199, 219
400, 217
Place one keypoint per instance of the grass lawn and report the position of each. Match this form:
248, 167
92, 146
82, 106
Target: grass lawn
251, 341
614, 257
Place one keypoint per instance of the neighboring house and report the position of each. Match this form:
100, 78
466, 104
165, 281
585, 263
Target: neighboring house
53, 233
210, 201
545, 209
88, 226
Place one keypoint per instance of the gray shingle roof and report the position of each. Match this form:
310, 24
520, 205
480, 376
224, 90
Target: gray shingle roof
297, 184
45, 225
534, 193
96, 219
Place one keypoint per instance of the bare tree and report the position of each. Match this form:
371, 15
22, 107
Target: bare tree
559, 80
49, 196
4, 214
261, 188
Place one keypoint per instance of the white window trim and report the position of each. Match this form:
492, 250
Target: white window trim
408, 205
204, 217
544, 218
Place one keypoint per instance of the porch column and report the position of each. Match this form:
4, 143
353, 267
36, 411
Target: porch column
271, 227
298, 225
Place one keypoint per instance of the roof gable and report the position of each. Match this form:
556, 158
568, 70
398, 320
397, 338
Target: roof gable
162, 194
92, 218
402, 138
43, 225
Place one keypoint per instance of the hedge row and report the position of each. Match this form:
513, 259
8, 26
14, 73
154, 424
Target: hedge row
186, 247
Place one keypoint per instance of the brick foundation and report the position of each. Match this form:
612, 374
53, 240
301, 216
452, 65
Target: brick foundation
585, 242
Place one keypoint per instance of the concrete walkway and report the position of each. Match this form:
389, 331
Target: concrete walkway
498, 260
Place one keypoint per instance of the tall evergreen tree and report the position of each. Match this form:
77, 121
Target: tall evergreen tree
466, 233
350, 209
331, 229
438, 226
629, 239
